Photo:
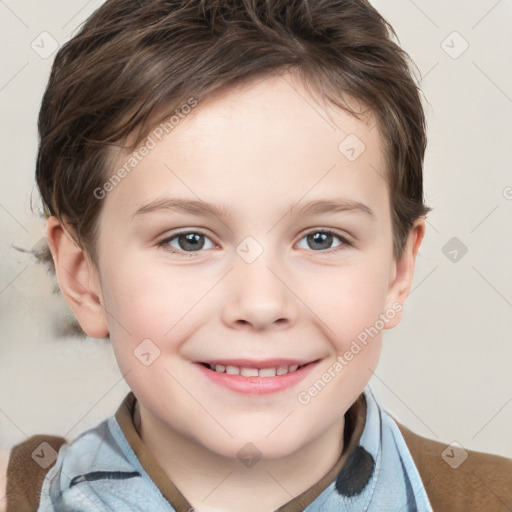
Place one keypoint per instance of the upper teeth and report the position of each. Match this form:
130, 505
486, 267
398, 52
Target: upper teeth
254, 372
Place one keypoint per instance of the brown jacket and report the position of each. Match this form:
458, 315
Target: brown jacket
483, 482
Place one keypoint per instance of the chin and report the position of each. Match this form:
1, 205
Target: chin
249, 449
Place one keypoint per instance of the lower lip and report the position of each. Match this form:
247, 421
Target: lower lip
256, 385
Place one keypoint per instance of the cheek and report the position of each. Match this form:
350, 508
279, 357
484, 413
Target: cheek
149, 300
150, 311
348, 301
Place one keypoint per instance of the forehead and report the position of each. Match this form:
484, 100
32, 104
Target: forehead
276, 119
262, 143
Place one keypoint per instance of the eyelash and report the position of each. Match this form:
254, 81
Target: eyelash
164, 243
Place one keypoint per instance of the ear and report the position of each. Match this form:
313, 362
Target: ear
78, 279
403, 272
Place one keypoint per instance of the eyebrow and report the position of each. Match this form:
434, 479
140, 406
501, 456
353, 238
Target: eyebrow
223, 211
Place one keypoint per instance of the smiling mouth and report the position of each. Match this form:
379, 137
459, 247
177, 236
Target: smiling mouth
275, 371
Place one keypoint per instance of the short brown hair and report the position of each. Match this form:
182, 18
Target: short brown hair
133, 60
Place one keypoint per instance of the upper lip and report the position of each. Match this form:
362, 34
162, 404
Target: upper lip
255, 363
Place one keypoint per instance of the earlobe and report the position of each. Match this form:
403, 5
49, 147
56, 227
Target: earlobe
77, 279
403, 274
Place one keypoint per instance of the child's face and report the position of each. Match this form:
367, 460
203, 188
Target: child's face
257, 287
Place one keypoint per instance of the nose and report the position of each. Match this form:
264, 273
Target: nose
258, 296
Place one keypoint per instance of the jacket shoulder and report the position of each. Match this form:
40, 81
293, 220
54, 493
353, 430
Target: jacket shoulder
456, 479
29, 462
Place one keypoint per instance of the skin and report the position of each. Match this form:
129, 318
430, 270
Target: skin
257, 149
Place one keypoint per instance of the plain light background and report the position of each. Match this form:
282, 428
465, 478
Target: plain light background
445, 371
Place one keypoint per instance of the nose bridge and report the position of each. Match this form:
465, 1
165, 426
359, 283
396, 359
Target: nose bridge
257, 291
